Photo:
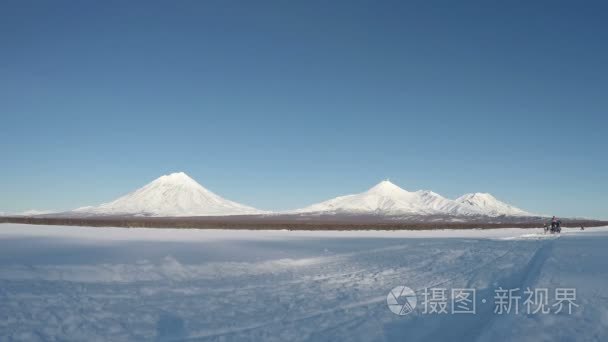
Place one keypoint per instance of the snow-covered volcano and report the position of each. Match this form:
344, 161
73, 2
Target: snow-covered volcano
387, 198
171, 195
384, 199
178, 195
490, 206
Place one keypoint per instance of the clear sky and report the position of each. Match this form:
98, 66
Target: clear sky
280, 104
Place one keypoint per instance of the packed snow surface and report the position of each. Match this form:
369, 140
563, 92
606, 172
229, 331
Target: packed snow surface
172, 195
118, 284
387, 198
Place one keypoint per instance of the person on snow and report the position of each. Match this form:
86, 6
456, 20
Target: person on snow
556, 225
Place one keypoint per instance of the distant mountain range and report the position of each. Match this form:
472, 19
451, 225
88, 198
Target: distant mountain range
388, 199
31, 212
178, 195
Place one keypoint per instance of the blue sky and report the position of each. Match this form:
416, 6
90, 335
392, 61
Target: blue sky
279, 104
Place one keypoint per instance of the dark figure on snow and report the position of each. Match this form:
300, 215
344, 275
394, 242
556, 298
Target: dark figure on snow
556, 225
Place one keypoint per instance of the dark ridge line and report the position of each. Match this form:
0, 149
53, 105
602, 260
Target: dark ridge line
290, 223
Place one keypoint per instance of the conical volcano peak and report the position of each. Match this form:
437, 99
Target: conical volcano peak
477, 197
171, 195
427, 193
386, 187
177, 177
481, 195
176, 181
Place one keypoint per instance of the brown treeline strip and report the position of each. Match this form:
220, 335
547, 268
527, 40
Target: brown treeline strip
288, 222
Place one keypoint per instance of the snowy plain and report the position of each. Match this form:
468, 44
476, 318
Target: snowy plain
119, 284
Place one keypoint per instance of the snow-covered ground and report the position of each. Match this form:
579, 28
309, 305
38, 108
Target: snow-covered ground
87, 284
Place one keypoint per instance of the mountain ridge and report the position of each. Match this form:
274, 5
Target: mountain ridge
389, 199
178, 195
